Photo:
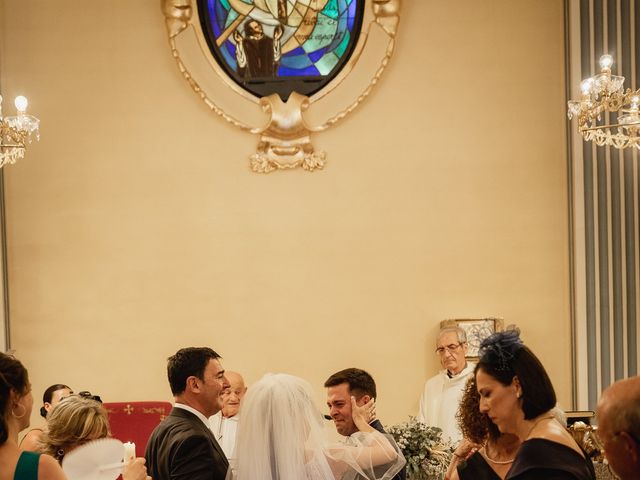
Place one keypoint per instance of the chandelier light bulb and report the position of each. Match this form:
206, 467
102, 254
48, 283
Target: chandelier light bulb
586, 85
606, 61
21, 103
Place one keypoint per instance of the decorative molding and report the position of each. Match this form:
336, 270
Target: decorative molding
285, 138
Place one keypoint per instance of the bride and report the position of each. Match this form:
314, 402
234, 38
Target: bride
281, 437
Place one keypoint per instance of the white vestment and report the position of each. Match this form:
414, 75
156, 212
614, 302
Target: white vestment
440, 400
224, 429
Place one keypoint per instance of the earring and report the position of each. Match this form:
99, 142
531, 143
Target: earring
24, 412
60, 453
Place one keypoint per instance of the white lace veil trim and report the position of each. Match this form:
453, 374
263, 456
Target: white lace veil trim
281, 437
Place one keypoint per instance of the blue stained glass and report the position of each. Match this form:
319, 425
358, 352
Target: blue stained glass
331, 9
230, 58
297, 51
320, 54
342, 23
307, 72
220, 14
322, 34
340, 34
297, 62
343, 45
230, 19
326, 63
315, 56
351, 15
230, 47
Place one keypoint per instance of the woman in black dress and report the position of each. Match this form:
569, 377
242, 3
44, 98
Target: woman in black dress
484, 453
517, 395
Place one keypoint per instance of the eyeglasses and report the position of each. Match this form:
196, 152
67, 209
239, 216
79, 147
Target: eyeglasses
448, 348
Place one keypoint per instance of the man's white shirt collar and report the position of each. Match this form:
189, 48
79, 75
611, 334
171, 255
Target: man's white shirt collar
463, 373
204, 419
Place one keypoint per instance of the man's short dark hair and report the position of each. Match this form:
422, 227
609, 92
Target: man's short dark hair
188, 362
360, 382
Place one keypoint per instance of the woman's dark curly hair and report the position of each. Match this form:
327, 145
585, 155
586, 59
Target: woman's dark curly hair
13, 377
474, 425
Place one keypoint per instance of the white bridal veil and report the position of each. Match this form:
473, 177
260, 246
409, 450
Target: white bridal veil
281, 437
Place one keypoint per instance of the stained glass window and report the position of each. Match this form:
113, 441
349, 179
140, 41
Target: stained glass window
280, 46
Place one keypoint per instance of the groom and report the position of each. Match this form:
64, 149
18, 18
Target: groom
341, 386
182, 447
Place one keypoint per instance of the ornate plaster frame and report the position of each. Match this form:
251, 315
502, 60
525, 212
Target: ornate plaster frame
285, 141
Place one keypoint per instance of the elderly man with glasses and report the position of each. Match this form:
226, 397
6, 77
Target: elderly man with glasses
442, 393
619, 427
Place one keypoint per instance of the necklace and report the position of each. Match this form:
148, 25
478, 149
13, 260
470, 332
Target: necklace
497, 462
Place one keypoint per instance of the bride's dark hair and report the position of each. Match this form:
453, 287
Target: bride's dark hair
503, 356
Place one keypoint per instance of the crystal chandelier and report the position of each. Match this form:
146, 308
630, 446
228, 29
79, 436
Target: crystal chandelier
16, 131
606, 113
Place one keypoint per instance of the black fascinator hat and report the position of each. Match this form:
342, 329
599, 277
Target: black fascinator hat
504, 357
499, 349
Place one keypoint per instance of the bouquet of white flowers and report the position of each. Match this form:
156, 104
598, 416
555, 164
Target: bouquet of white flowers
427, 455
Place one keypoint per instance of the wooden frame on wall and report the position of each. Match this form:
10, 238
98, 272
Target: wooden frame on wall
477, 329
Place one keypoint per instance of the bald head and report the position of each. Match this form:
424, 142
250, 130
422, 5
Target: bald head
232, 398
619, 427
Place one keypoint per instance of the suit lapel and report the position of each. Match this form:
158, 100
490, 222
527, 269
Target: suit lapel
199, 425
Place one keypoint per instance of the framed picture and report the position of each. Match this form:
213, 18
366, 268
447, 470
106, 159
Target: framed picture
477, 329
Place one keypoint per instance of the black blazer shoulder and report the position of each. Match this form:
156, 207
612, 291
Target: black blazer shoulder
183, 448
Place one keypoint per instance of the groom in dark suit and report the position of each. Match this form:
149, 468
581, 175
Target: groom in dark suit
340, 387
182, 447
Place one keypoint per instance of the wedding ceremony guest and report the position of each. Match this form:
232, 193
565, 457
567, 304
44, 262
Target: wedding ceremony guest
281, 437
224, 424
341, 386
77, 420
517, 395
484, 453
50, 399
618, 431
442, 393
16, 403
182, 446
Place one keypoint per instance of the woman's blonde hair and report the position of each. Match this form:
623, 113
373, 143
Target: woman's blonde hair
75, 421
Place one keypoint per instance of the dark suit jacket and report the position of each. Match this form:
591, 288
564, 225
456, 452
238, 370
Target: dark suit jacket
402, 474
183, 448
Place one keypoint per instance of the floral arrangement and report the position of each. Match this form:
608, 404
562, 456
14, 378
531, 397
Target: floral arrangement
427, 455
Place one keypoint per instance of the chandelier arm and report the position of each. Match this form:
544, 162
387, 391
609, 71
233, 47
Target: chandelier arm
614, 125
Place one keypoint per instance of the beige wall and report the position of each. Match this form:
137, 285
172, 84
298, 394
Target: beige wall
136, 228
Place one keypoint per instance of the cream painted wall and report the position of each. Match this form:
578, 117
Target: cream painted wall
135, 227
